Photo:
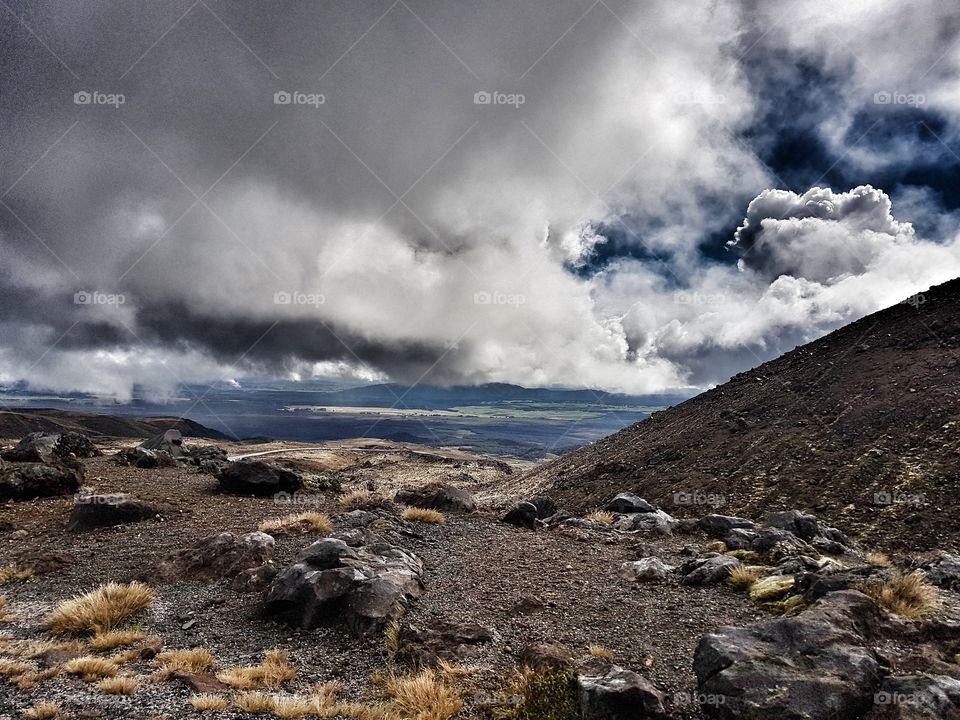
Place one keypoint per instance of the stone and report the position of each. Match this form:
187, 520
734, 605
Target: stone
944, 571
803, 525
819, 661
546, 657
628, 503
256, 477
34, 480
618, 695
218, 556
657, 522
169, 441
917, 697
740, 539
437, 496
334, 584
49, 447
546, 507
719, 526
255, 579
452, 642
650, 569
522, 514
145, 459
708, 570
96, 511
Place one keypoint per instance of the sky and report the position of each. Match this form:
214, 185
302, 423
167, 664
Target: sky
634, 197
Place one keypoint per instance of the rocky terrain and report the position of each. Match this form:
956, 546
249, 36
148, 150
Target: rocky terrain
859, 427
385, 581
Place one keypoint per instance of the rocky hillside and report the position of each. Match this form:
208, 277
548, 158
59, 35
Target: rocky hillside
859, 426
19, 422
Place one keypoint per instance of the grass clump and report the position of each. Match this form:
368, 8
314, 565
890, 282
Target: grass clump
91, 668
12, 573
43, 711
877, 559
424, 696
254, 702
117, 686
194, 660
115, 638
299, 524
6, 614
743, 576
208, 702
600, 652
360, 500
99, 610
544, 696
909, 596
423, 515
600, 517
274, 671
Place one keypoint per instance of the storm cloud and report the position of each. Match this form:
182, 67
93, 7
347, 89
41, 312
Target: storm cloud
420, 190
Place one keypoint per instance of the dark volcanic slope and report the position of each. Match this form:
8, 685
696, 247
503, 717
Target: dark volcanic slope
17, 423
860, 426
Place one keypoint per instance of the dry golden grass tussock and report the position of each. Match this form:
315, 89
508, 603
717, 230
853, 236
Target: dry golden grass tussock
6, 614
100, 610
274, 671
13, 573
391, 638
909, 596
423, 696
91, 668
302, 523
115, 638
194, 660
877, 559
601, 652
360, 499
118, 686
415, 514
254, 702
743, 576
208, 702
43, 711
14, 668
600, 517
36, 648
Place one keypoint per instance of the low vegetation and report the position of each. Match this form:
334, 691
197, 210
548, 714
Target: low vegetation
43, 711
115, 638
877, 559
601, 517
13, 573
299, 524
100, 610
909, 596
360, 500
208, 702
91, 668
274, 671
118, 686
743, 576
543, 696
424, 696
600, 652
415, 514
194, 660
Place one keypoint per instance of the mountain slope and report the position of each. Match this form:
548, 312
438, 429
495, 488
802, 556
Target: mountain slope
860, 426
17, 423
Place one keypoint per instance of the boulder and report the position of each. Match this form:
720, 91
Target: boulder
217, 556
546, 657
768, 538
740, 539
170, 442
803, 525
708, 570
49, 447
546, 507
618, 695
917, 697
437, 496
256, 477
331, 584
138, 457
255, 579
627, 503
522, 514
94, 511
819, 662
34, 480
452, 642
719, 526
657, 522
944, 571
649, 569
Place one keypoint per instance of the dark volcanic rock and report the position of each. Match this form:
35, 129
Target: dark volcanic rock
49, 447
141, 458
437, 496
93, 511
546, 656
546, 507
218, 556
29, 481
333, 584
719, 526
441, 640
522, 514
917, 697
170, 442
944, 571
255, 477
657, 522
618, 695
819, 662
628, 503
708, 570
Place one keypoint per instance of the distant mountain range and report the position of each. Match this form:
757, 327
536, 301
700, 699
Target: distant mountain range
14, 424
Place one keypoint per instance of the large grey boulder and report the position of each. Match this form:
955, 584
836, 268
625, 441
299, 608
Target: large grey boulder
437, 496
708, 570
815, 666
334, 584
34, 480
657, 522
522, 514
170, 442
719, 526
944, 571
218, 556
256, 477
917, 697
628, 503
50, 447
95, 511
618, 695
649, 569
